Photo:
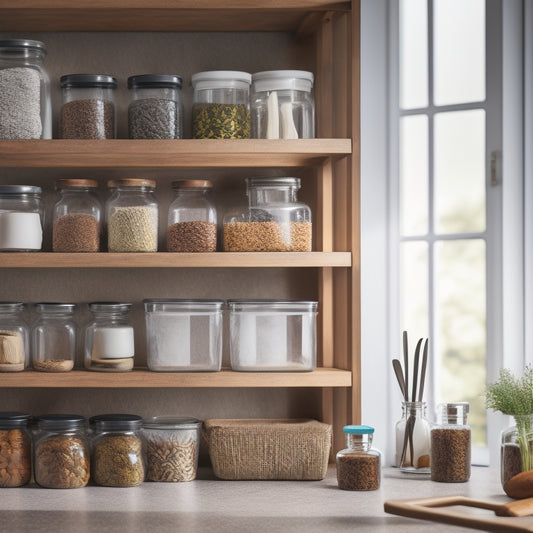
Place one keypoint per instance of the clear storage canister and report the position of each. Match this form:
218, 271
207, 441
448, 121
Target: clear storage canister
221, 106
192, 218
413, 439
15, 449
54, 337
273, 222
88, 110
25, 108
109, 338
14, 337
155, 110
132, 216
282, 105
77, 216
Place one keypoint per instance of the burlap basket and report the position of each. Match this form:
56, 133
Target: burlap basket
269, 448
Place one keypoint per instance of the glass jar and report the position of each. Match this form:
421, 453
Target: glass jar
15, 449
221, 105
14, 337
273, 222
21, 218
413, 439
358, 465
192, 218
517, 448
77, 216
109, 340
451, 443
155, 110
88, 110
25, 107
282, 105
61, 453
54, 338
132, 216
118, 454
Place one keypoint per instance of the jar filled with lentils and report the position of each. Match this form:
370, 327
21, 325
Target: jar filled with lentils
15, 449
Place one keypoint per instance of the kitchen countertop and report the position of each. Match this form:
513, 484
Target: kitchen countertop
208, 504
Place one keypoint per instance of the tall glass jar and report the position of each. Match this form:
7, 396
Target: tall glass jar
273, 222
517, 448
54, 338
77, 216
109, 339
221, 105
132, 216
413, 434
192, 218
88, 110
15, 449
14, 337
25, 108
155, 110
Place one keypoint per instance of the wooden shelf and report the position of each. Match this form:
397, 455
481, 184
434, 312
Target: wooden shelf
141, 378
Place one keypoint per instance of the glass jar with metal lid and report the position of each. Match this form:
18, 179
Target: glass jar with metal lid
14, 337
25, 108
15, 449
88, 110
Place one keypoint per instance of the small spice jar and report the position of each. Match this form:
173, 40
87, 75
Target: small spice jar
88, 110
15, 449
192, 218
118, 455
132, 216
61, 453
109, 339
358, 465
54, 338
155, 111
77, 216
221, 105
25, 107
14, 337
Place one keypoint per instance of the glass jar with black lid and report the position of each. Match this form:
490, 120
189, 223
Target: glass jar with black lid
15, 449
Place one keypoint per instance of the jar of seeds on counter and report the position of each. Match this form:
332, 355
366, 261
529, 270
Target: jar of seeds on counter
14, 337
15, 449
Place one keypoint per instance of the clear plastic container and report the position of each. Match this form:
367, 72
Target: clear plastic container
282, 105
192, 218
221, 105
25, 107
77, 216
272, 335
14, 337
15, 449
155, 110
88, 110
132, 216
274, 220
184, 335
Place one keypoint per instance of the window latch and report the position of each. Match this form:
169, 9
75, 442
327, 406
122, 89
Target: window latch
495, 158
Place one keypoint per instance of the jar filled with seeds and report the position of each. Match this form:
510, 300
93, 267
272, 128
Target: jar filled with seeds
273, 222
88, 110
25, 107
77, 216
192, 218
358, 465
132, 216
155, 111
221, 105
14, 337
15, 449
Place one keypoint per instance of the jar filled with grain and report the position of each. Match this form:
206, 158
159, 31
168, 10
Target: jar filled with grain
132, 216
14, 337
192, 218
77, 216
273, 222
15, 449
88, 110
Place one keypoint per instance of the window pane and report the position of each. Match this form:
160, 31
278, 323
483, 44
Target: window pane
460, 328
413, 54
459, 44
414, 175
460, 171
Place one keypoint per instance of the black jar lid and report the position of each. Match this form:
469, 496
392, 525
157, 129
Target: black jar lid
20, 45
14, 419
88, 80
155, 81
60, 422
116, 422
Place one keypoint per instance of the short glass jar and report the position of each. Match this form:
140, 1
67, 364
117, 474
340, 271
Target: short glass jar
88, 110
61, 452
25, 110
77, 216
282, 105
21, 218
132, 216
15, 449
192, 218
54, 338
155, 110
109, 339
517, 448
14, 337
413, 439
273, 222
221, 105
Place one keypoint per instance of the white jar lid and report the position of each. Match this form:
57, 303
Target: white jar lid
221, 79
279, 80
